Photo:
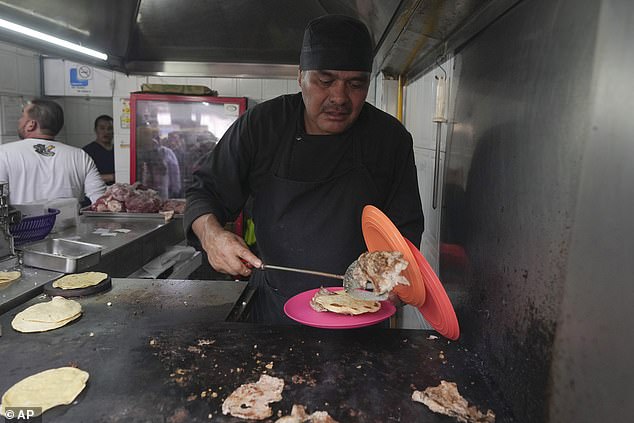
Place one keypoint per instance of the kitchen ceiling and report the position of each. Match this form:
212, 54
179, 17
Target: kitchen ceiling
230, 38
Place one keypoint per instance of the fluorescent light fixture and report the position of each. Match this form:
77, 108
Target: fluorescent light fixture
50, 39
31, 12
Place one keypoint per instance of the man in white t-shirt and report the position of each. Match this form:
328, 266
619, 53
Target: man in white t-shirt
39, 168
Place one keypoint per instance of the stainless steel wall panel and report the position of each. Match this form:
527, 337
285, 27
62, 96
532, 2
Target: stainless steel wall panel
523, 100
592, 365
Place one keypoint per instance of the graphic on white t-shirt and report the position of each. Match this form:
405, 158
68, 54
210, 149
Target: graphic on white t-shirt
44, 150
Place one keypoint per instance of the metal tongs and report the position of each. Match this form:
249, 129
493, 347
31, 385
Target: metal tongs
350, 284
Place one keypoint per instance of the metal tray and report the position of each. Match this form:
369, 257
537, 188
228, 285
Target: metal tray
61, 255
87, 212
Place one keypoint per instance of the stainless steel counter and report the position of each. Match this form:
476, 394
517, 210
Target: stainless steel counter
122, 254
29, 285
90, 230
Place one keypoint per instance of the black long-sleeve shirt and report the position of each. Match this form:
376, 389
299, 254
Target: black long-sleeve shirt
247, 151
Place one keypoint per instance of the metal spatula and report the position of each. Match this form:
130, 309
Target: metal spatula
350, 284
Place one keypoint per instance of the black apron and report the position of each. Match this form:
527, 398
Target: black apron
309, 225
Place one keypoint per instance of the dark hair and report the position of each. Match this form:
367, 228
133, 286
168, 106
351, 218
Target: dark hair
48, 115
102, 117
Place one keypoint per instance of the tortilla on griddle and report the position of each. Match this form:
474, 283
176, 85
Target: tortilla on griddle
45, 390
341, 302
80, 280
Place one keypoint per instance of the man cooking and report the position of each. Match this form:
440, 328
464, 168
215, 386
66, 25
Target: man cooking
311, 161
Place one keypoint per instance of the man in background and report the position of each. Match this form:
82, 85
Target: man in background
157, 165
39, 168
102, 148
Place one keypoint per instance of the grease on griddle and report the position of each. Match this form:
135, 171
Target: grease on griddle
307, 378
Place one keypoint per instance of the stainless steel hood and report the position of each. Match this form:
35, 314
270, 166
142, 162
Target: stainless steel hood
233, 38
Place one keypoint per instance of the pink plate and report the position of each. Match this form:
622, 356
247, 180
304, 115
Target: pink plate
298, 308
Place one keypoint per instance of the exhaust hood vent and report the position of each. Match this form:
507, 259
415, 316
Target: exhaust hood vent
229, 38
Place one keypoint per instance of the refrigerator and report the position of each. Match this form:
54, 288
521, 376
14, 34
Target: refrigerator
172, 134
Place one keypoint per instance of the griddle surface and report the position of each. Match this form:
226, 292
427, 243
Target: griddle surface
168, 357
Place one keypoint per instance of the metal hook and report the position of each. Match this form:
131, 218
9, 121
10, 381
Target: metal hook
438, 60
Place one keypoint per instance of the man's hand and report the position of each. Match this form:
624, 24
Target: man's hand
226, 251
107, 177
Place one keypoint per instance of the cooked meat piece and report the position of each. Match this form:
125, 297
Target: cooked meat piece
136, 198
382, 269
114, 205
177, 205
120, 191
100, 205
299, 415
251, 401
445, 399
146, 201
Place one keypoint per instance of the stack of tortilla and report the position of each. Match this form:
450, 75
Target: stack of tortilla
47, 316
8, 277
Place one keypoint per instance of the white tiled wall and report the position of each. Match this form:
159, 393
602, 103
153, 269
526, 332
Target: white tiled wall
19, 81
272, 87
383, 93
79, 118
420, 104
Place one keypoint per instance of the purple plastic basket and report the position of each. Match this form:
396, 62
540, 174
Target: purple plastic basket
33, 228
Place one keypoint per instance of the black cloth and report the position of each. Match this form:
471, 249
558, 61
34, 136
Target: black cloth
308, 193
323, 207
104, 159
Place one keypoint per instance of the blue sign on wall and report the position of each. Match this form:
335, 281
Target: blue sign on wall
76, 79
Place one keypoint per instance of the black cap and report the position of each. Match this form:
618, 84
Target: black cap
336, 42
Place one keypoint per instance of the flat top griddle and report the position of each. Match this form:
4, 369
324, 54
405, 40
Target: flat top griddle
160, 344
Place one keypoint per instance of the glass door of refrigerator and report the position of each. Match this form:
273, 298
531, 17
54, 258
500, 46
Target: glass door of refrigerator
173, 135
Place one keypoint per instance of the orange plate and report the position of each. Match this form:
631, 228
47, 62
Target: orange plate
380, 234
437, 309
